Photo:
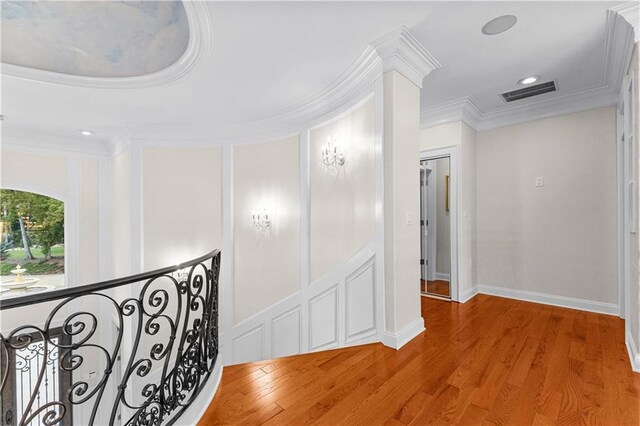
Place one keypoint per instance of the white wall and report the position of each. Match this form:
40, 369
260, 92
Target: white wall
342, 203
46, 173
182, 190
559, 239
324, 224
402, 207
74, 180
458, 134
267, 264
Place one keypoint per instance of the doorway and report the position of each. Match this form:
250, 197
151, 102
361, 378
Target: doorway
435, 227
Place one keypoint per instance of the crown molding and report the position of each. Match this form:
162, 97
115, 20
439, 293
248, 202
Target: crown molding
584, 100
200, 40
341, 97
468, 110
48, 143
345, 90
464, 109
617, 57
399, 50
618, 49
630, 11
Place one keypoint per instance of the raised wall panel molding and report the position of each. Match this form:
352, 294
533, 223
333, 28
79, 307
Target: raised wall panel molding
249, 346
200, 40
617, 56
286, 334
360, 295
551, 299
630, 11
323, 319
401, 51
316, 319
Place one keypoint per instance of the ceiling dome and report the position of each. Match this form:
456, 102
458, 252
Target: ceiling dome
94, 39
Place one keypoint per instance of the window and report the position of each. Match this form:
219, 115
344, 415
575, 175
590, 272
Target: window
32, 236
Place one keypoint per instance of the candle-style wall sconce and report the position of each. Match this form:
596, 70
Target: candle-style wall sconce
261, 220
332, 155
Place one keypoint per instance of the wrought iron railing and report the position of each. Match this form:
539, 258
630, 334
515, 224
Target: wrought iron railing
130, 351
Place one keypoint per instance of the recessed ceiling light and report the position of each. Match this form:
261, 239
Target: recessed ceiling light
529, 80
86, 132
499, 24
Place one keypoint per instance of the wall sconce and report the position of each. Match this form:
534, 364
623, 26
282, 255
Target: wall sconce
332, 155
261, 221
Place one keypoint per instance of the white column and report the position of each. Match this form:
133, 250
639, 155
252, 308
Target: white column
405, 64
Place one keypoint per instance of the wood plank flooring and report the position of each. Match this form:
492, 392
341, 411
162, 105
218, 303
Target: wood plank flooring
489, 361
437, 287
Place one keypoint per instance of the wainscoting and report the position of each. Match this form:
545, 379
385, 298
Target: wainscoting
338, 310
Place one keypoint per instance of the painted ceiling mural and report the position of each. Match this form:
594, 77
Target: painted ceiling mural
94, 39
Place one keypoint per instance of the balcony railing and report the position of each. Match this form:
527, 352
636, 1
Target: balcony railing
130, 351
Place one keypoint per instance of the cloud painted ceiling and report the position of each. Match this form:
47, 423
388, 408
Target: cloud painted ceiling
94, 39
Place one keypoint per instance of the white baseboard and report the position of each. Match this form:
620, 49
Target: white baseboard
443, 276
634, 354
549, 299
401, 338
468, 294
198, 407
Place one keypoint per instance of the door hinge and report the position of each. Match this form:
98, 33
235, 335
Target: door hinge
422, 261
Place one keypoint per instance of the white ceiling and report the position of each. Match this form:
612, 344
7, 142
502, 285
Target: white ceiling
266, 57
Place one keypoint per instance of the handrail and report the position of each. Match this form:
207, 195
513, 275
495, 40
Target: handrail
48, 296
151, 350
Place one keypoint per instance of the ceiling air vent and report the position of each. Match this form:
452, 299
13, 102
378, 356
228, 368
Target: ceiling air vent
527, 92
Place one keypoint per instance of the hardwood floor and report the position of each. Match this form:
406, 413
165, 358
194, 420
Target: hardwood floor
437, 287
488, 361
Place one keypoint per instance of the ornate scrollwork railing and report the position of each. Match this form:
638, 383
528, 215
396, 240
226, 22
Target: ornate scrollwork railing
130, 351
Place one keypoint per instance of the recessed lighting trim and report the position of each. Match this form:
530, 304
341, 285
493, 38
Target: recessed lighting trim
499, 25
86, 132
529, 80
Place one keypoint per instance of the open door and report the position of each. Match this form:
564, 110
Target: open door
435, 228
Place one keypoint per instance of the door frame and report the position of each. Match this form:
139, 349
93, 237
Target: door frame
454, 177
428, 195
627, 177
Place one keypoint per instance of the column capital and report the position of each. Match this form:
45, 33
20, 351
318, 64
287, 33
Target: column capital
399, 50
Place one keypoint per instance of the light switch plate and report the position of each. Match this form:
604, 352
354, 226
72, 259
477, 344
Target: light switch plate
539, 181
